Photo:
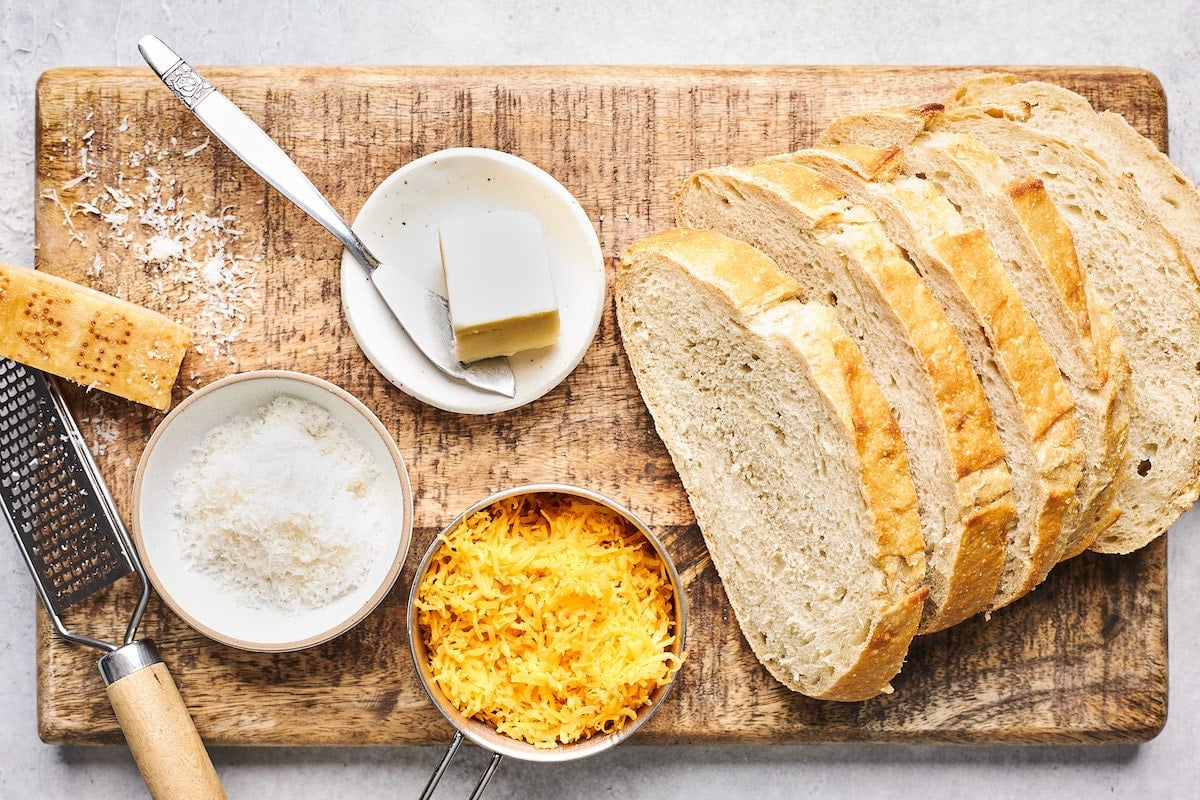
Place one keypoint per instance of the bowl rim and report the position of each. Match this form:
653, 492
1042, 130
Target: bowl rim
369, 605
485, 735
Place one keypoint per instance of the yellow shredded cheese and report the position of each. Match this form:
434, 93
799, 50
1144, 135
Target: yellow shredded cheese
548, 617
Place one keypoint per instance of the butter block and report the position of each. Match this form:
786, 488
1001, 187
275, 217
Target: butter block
88, 337
498, 284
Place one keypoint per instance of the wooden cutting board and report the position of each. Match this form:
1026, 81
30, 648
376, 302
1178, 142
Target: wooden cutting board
118, 158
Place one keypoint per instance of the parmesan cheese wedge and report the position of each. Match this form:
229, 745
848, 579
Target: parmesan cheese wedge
88, 337
498, 284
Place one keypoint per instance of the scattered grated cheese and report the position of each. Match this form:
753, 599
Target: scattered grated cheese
548, 617
162, 248
195, 258
51, 195
78, 179
105, 430
213, 270
282, 507
196, 149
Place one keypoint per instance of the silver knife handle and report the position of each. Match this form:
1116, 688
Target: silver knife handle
187, 84
250, 143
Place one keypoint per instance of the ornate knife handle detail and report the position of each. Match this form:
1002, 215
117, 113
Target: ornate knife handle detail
187, 84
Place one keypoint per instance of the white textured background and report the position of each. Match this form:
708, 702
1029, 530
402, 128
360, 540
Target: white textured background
1159, 35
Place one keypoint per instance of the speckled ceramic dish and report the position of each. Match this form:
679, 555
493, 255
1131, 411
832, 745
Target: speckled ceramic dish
399, 223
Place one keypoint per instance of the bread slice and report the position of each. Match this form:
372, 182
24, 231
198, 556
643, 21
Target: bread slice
1036, 248
90, 338
1034, 413
881, 128
790, 458
1169, 194
1139, 270
839, 255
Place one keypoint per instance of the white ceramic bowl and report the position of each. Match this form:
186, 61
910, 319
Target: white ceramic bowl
200, 599
399, 224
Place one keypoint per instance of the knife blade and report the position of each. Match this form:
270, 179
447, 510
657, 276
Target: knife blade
424, 315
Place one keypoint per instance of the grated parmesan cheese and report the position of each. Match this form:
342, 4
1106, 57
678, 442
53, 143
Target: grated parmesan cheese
160, 248
193, 257
548, 617
281, 506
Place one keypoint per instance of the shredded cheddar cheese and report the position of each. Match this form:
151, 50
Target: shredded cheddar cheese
548, 617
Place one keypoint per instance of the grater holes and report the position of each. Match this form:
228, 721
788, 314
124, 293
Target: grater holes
62, 524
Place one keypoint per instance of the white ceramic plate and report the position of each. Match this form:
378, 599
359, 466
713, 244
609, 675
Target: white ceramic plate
197, 597
399, 224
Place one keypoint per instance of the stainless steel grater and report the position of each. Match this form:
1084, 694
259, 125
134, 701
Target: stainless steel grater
57, 504
75, 544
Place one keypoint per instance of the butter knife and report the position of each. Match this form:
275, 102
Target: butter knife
424, 315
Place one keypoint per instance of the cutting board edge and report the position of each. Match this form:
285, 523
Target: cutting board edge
1147, 82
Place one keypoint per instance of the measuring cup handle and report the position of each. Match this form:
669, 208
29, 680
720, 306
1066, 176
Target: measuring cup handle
486, 776
445, 762
157, 725
447, 757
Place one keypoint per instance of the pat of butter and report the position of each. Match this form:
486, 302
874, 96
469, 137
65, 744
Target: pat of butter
498, 284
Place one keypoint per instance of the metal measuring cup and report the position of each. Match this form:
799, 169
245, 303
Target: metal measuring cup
485, 735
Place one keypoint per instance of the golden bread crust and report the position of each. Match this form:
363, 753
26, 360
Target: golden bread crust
748, 286
1101, 369
918, 218
983, 486
1143, 273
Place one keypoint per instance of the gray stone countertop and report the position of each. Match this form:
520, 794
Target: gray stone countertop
1160, 35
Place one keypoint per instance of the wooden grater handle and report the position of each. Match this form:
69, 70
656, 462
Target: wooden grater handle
157, 725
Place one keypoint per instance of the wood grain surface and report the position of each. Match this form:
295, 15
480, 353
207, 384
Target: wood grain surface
1083, 659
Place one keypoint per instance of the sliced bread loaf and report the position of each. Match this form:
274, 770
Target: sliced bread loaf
1169, 194
839, 254
1038, 253
1138, 270
1034, 412
791, 460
